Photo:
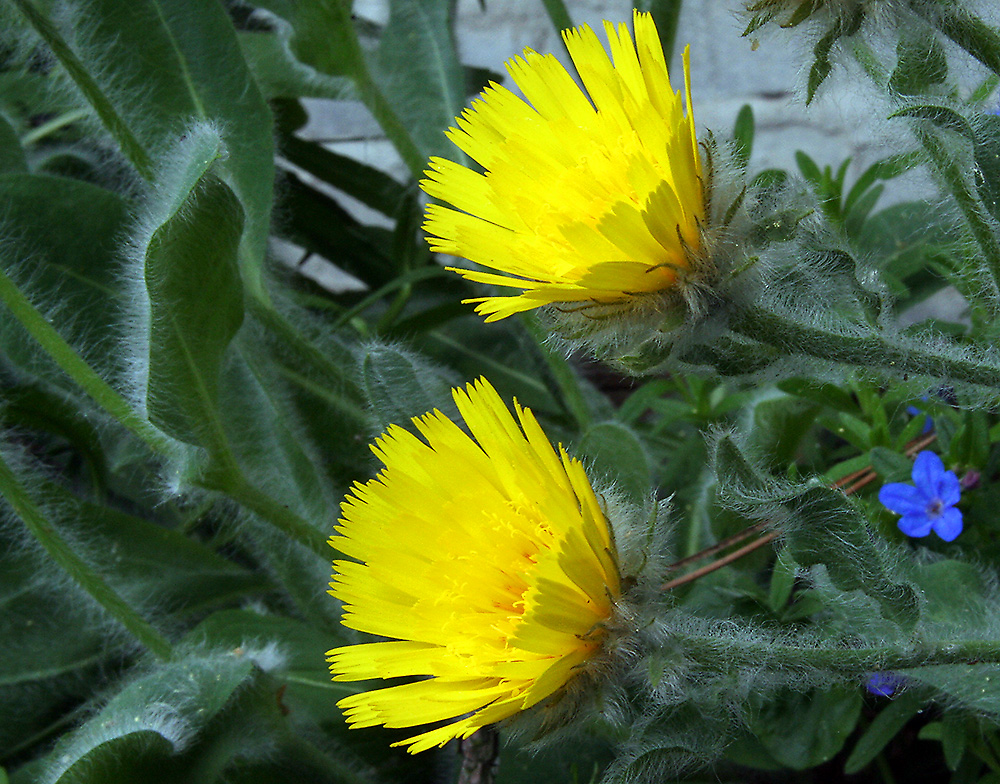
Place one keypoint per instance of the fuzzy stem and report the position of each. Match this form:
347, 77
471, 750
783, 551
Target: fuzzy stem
718, 652
872, 350
76, 368
339, 12
89, 580
56, 123
128, 141
980, 223
968, 31
480, 754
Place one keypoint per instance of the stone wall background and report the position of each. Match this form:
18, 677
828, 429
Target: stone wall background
728, 71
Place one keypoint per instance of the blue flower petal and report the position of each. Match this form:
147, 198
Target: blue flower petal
949, 524
883, 684
902, 499
927, 471
915, 524
949, 488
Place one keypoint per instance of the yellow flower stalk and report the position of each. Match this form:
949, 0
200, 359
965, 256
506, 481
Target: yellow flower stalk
486, 560
589, 197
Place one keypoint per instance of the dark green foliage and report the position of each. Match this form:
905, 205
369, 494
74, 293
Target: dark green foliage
181, 418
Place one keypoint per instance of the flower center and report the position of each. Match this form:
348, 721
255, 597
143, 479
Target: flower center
935, 507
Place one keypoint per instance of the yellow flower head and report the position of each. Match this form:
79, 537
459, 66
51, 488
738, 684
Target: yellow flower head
582, 200
487, 560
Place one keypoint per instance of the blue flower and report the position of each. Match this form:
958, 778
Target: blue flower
929, 504
883, 684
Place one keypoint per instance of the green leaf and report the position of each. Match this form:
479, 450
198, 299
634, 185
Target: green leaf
298, 648
195, 299
903, 237
738, 477
312, 375
368, 185
941, 116
953, 740
810, 170
824, 394
782, 583
802, 12
847, 467
831, 531
35, 517
821, 67
154, 715
781, 428
743, 132
821, 526
401, 385
303, 647
40, 407
616, 452
67, 231
418, 71
890, 465
326, 39
882, 730
970, 444
955, 596
280, 74
179, 50
642, 399
47, 646
805, 730
769, 180
921, 63
150, 560
558, 14
854, 430
884, 169
978, 38
11, 153
577, 760
986, 149
125, 132
505, 353
973, 687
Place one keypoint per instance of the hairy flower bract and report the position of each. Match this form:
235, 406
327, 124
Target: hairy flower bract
929, 503
583, 200
486, 560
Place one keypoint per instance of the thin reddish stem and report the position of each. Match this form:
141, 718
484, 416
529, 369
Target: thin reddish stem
856, 480
722, 545
725, 560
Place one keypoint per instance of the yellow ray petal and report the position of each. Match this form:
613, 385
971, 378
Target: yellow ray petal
483, 559
566, 188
